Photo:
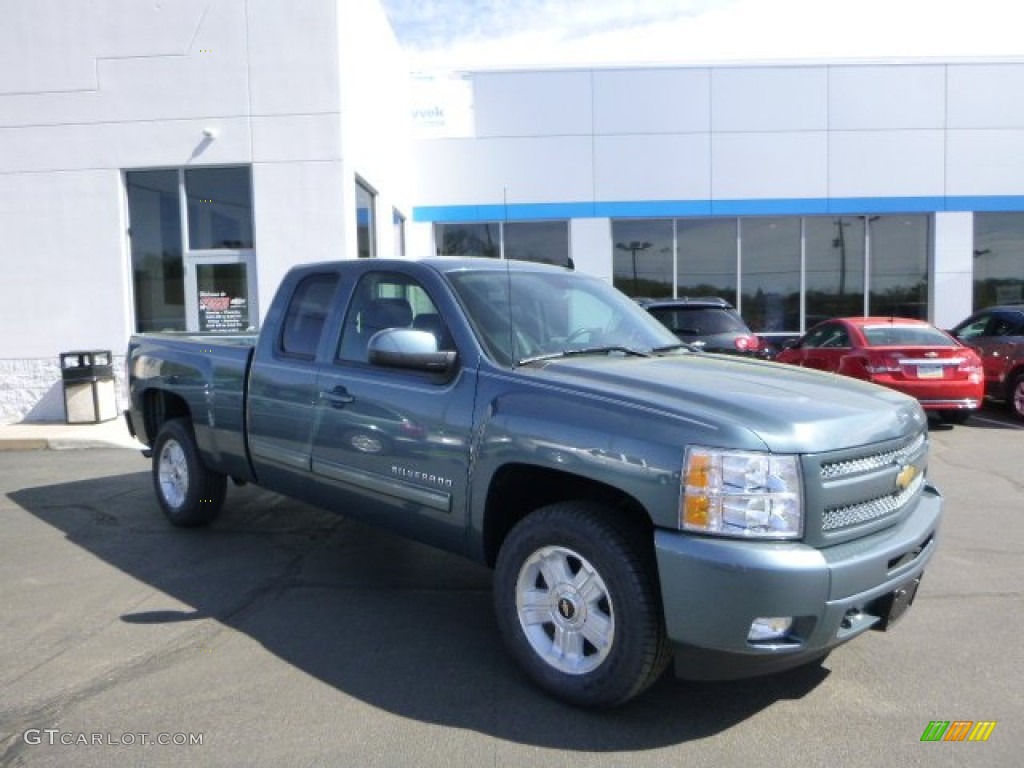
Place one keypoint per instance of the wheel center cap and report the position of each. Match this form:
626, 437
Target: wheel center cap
566, 608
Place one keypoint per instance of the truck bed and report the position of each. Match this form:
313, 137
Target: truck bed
207, 373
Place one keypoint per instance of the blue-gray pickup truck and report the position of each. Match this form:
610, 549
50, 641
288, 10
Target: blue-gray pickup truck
638, 500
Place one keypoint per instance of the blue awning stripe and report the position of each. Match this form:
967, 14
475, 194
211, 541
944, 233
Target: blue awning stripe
647, 209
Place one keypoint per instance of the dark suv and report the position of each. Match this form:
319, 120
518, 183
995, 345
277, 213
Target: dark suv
997, 333
709, 323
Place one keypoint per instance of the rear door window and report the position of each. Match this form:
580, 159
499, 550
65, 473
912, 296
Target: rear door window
307, 314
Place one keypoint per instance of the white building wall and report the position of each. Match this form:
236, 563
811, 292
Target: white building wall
89, 90
844, 138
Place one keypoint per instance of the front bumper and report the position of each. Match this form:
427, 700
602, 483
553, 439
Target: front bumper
713, 589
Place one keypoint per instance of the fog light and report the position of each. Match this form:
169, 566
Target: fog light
769, 628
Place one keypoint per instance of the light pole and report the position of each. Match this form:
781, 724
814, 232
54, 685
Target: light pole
633, 246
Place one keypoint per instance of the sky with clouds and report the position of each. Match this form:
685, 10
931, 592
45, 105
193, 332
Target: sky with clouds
468, 34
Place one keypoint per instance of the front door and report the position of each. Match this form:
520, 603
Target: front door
400, 439
220, 293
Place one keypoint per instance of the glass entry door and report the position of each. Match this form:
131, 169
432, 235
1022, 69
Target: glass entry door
221, 294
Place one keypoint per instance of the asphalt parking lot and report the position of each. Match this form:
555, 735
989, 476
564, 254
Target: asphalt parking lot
286, 636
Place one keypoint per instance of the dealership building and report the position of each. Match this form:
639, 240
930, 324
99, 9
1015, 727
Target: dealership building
162, 166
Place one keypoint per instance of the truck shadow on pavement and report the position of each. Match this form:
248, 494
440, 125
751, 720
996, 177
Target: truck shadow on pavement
398, 625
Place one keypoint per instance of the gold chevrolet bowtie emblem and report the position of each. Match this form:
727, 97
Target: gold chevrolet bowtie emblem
905, 477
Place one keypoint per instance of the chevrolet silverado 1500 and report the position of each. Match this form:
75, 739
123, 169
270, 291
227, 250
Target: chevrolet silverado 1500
638, 500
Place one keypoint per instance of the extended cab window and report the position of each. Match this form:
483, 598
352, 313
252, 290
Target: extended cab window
306, 315
387, 300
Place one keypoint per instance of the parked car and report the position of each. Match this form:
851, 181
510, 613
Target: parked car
905, 354
708, 323
997, 334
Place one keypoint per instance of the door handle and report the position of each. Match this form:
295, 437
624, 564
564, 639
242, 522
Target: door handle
338, 397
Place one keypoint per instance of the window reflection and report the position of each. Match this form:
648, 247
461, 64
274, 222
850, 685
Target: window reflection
998, 259
543, 241
899, 266
156, 245
642, 260
707, 258
219, 208
770, 273
834, 267
366, 241
712, 253
477, 239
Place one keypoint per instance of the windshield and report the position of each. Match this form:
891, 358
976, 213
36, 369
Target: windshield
524, 315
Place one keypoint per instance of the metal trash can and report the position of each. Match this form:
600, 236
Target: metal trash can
88, 377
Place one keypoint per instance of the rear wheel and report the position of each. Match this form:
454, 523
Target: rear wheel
1016, 398
189, 493
578, 606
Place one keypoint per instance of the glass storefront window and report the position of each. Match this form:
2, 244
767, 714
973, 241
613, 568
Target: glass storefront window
899, 266
194, 272
770, 274
366, 241
156, 248
642, 259
543, 241
833, 268
479, 239
219, 208
998, 259
707, 258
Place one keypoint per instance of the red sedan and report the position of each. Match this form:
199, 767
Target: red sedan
908, 355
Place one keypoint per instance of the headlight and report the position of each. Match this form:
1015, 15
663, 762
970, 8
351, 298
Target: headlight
741, 493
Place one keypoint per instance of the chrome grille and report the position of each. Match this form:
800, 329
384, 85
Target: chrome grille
836, 469
866, 511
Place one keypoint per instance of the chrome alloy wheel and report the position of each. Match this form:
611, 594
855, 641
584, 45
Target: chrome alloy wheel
173, 473
565, 610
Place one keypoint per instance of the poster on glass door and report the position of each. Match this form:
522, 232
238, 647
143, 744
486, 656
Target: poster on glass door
222, 313
223, 300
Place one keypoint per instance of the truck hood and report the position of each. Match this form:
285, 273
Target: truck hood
789, 409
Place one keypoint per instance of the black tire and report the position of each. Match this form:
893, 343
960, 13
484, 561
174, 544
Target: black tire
578, 544
954, 417
189, 494
1015, 396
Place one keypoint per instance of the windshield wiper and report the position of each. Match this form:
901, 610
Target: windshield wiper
672, 347
585, 351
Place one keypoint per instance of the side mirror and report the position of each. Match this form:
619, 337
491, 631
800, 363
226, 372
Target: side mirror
791, 343
410, 349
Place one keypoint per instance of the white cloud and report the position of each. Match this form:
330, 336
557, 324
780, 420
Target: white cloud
492, 33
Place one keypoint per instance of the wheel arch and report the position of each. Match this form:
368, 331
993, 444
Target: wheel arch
516, 490
160, 406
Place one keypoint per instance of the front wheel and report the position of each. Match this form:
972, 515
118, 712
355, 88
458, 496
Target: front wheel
577, 603
189, 493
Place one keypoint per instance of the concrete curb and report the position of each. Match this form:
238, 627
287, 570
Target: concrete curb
59, 436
